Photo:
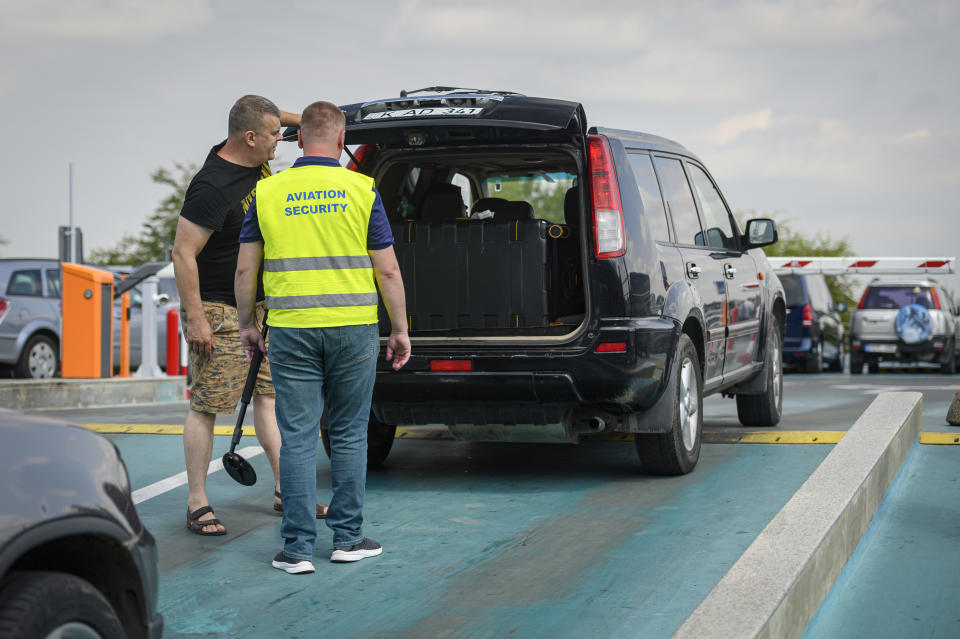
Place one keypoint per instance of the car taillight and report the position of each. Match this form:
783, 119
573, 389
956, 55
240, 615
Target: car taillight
936, 299
608, 233
359, 154
807, 319
611, 347
451, 365
863, 297
4, 305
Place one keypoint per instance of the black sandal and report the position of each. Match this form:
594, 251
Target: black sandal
321, 508
196, 526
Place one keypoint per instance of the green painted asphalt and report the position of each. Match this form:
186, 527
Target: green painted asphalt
480, 540
903, 580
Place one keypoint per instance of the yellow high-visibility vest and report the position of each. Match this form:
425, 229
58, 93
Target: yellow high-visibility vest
316, 269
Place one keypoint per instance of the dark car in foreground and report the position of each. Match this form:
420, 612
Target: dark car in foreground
814, 337
563, 280
75, 560
905, 321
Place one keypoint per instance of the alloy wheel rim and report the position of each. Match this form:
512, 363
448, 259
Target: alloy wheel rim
777, 376
689, 404
42, 361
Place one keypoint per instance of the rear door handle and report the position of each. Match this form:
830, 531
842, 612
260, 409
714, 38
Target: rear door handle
729, 271
693, 271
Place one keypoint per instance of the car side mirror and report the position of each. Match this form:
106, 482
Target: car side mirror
841, 307
761, 231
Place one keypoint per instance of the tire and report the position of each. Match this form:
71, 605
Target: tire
949, 367
856, 364
765, 409
677, 451
873, 367
39, 604
39, 359
815, 362
836, 365
380, 438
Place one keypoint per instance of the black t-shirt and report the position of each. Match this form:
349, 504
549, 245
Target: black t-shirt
217, 199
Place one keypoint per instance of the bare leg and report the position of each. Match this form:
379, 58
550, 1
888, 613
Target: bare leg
197, 448
268, 434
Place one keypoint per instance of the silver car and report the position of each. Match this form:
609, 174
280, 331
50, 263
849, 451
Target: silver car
904, 321
30, 316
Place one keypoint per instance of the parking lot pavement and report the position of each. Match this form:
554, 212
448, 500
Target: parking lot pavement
479, 540
904, 578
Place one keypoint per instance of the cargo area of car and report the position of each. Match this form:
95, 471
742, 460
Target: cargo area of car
489, 240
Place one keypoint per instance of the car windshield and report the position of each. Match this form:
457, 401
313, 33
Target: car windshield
793, 289
897, 296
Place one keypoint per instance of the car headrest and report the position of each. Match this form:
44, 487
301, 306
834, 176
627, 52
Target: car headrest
571, 207
442, 203
494, 204
514, 210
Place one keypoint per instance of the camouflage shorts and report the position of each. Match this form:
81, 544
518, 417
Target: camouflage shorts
218, 379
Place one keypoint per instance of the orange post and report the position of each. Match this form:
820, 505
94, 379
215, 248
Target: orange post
173, 342
86, 348
125, 335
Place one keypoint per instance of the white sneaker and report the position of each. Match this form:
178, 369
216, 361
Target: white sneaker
356, 552
290, 565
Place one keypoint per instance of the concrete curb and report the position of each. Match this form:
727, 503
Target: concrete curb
30, 394
778, 583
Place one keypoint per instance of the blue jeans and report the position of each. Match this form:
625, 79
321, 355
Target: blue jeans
309, 365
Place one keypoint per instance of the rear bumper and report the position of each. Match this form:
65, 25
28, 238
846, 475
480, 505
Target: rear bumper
875, 350
530, 385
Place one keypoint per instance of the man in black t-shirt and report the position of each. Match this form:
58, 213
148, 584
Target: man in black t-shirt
205, 262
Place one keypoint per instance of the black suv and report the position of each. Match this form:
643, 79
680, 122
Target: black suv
563, 281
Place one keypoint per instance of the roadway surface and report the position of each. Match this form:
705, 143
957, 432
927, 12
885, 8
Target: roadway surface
523, 540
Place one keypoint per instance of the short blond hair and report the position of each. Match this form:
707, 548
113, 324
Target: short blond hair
322, 121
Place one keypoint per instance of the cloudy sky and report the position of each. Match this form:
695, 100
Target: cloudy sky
841, 114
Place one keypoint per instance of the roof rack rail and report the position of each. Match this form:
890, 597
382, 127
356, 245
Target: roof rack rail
404, 93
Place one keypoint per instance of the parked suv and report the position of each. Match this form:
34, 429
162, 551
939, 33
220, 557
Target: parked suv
814, 334
75, 559
30, 316
904, 321
563, 280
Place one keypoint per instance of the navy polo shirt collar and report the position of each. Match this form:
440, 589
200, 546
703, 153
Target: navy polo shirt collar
315, 160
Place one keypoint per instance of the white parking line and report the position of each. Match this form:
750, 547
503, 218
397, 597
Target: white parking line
164, 485
873, 389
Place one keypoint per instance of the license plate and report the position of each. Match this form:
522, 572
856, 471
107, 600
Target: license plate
424, 112
880, 348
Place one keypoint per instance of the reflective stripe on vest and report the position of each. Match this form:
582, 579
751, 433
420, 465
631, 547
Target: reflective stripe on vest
316, 270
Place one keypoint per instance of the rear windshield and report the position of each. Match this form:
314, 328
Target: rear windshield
897, 296
793, 289
494, 185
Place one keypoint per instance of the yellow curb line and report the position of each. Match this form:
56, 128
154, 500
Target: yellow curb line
745, 437
939, 438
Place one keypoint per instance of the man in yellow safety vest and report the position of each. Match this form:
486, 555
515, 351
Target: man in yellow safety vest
321, 233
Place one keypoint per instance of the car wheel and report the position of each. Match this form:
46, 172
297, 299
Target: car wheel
949, 366
856, 364
55, 604
815, 361
765, 409
380, 438
39, 359
836, 365
677, 451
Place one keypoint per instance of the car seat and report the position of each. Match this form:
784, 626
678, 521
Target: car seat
442, 203
571, 207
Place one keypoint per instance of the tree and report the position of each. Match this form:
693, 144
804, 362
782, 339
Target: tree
155, 241
793, 243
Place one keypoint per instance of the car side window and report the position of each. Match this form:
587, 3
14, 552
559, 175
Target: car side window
676, 191
716, 218
25, 283
820, 294
653, 210
53, 282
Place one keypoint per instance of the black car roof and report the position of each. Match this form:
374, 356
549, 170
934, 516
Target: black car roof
635, 139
